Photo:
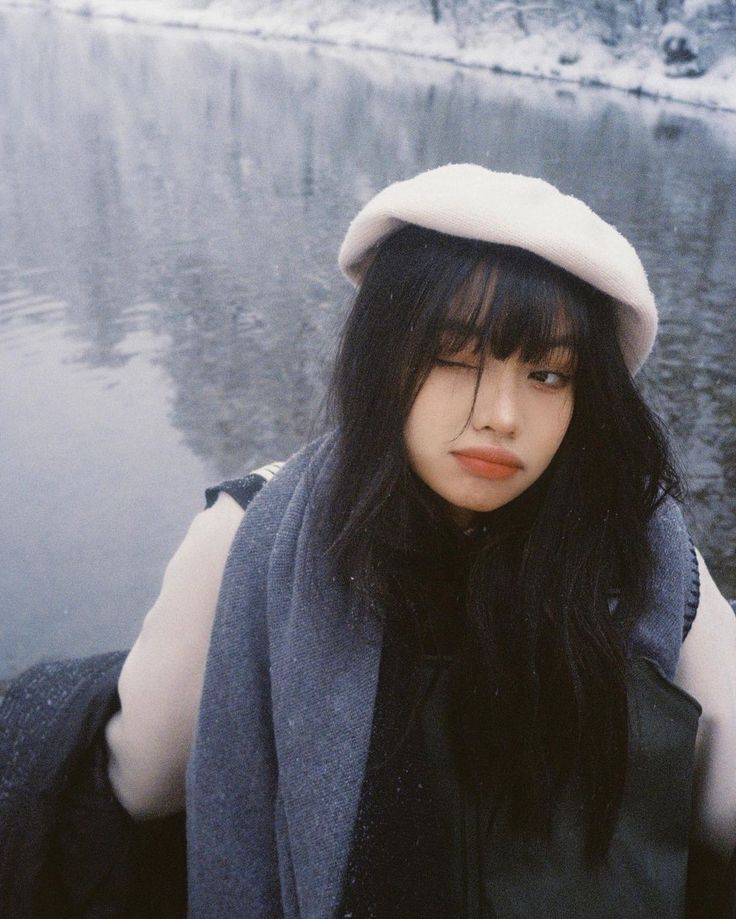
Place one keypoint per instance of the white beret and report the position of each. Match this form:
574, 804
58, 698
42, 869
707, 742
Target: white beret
463, 199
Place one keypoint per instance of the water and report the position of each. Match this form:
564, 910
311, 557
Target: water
171, 204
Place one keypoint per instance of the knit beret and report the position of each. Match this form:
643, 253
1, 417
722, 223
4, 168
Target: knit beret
463, 199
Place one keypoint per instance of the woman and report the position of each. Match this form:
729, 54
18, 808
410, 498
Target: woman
447, 675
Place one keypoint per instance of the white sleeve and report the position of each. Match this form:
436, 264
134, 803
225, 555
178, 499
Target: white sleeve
707, 670
160, 685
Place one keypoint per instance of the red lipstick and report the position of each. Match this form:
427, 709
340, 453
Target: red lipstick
489, 462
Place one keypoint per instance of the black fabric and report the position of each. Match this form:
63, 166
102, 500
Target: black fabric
242, 490
711, 889
67, 847
425, 845
33, 709
399, 862
49, 721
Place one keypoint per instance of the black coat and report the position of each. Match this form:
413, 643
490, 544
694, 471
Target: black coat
67, 847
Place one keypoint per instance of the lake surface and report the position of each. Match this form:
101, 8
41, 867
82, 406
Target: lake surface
171, 204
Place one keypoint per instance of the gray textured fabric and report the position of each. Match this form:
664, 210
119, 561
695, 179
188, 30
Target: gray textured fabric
673, 593
33, 709
279, 623
281, 744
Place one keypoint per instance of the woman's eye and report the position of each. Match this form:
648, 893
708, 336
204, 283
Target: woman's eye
447, 362
550, 378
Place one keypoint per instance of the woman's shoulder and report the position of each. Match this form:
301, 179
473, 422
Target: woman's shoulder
675, 580
673, 588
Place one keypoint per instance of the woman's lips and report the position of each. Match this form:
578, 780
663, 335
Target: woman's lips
489, 462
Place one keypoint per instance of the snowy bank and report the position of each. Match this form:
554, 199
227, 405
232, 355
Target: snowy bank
560, 40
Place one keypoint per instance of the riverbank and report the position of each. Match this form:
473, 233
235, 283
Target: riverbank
565, 45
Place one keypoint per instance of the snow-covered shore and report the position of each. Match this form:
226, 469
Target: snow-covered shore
536, 41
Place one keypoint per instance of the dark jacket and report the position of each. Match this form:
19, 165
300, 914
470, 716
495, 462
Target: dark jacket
67, 847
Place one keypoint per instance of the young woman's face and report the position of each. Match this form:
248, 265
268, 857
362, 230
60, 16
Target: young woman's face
480, 451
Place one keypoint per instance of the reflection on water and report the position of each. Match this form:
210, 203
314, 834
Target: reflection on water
171, 207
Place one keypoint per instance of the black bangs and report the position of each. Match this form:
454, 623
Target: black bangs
514, 302
449, 294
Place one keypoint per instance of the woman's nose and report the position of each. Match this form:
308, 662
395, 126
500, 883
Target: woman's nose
496, 405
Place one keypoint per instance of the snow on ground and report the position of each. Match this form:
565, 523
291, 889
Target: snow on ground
562, 47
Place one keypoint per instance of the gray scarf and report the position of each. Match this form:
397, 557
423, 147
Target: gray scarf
282, 740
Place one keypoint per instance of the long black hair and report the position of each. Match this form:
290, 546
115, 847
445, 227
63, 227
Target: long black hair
555, 581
